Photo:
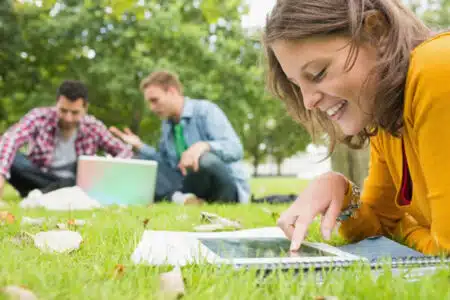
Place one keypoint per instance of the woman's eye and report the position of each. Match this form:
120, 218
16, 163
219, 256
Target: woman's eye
319, 76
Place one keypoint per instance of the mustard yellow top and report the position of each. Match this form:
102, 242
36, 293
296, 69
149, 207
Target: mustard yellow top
423, 224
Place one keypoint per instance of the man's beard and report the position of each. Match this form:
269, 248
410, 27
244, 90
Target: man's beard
67, 126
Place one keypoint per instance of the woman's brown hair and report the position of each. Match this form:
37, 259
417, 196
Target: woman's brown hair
293, 20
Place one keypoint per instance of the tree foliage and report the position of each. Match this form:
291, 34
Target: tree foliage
112, 44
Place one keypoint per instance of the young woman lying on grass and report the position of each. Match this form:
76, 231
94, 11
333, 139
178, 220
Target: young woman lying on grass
360, 70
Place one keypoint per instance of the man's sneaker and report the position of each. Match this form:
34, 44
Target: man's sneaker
186, 199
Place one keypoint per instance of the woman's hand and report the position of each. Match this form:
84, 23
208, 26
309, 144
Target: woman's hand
324, 195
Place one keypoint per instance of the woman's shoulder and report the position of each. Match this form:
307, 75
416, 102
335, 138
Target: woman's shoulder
431, 53
428, 79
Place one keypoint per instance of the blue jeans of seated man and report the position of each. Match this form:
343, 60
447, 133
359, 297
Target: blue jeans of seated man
25, 177
213, 182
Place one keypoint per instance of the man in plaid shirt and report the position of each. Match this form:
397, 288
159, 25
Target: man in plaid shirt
56, 136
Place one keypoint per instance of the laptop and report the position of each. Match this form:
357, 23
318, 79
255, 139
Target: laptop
117, 180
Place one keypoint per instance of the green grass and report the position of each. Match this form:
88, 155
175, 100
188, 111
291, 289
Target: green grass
277, 185
10, 194
113, 233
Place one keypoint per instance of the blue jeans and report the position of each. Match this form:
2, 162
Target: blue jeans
213, 181
25, 177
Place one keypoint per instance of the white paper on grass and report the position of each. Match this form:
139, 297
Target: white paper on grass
181, 248
71, 198
167, 248
58, 241
17, 292
32, 221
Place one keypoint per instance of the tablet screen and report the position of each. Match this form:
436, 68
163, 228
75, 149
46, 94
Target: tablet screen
258, 248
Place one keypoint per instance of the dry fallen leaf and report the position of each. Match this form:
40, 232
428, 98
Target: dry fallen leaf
146, 222
18, 293
76, 222
119, 270
71, 223
172, 284
194, 201
6, 217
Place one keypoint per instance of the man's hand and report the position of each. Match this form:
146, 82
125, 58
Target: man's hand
2, 185
191, 157
128, 137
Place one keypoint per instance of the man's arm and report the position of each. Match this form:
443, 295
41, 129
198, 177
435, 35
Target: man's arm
150, 153
14, 138
112, 145
144, 151
223, 140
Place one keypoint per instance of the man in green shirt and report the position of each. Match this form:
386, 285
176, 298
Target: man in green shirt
199, 154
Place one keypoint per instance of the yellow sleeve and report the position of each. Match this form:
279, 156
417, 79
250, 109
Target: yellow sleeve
429, 88
378, 213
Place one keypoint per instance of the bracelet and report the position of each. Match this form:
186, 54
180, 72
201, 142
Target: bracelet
355, 204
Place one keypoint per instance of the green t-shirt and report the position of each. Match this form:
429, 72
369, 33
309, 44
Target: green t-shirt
180, 143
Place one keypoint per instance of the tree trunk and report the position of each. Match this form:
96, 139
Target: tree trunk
354, 164
279, 161
256, 162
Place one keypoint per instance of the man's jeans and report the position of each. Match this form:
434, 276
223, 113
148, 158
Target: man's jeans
25, 177
213, 182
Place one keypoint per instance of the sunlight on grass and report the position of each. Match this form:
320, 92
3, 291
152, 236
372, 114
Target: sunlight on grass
112, 234
262, 186
10, 194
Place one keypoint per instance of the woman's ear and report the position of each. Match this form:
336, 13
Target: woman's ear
376, 27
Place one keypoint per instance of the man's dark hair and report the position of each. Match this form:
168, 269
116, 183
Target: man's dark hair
73, 90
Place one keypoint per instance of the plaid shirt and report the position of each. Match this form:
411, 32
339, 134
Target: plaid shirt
38, 128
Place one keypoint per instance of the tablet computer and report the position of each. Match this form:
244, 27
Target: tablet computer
263, 248
273, 252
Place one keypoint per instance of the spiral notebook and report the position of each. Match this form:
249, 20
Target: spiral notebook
268, 249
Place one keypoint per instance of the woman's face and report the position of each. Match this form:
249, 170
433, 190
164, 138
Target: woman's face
318, 67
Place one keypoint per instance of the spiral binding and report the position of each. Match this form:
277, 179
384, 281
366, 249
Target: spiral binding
336, 263
345, 263
424, 261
